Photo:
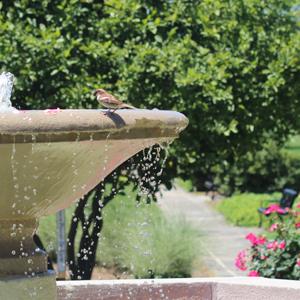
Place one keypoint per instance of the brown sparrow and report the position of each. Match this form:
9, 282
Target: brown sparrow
109, 101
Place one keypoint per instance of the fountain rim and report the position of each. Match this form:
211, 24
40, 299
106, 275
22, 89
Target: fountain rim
65, 124
86, 120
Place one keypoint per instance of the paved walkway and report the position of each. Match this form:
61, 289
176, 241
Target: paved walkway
221, 241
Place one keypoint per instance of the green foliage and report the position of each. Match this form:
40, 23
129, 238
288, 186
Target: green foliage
138, 239
267, 170
231, 66
241, 209
277, 257
187, 185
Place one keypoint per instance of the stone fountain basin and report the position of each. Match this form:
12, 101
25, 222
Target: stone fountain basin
48, 160
51, 158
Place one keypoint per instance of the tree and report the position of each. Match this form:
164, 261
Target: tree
231, 66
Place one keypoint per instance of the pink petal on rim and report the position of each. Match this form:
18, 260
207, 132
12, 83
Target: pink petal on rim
52, 111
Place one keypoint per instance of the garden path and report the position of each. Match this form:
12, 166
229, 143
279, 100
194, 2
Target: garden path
219, 241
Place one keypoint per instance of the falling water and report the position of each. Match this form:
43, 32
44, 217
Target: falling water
14, 177
164, 146
6, 86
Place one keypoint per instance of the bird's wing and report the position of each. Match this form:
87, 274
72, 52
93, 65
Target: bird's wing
111, 99
127, 106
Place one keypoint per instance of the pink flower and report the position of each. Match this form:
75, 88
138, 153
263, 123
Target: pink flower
240, 261
297, 225
254, 240
272, 245
19, 111
261, 240
275, 208
52, 111
298, 205
273, 227
253, 273
282, 245
298, 262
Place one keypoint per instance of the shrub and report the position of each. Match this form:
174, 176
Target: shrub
277, 256
187, 185
139, 240
264, 171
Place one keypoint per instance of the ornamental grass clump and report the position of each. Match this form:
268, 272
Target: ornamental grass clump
276, 255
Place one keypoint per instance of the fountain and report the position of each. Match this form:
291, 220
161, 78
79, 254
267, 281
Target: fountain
51, 158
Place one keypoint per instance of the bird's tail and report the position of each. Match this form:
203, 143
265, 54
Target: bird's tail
127, 106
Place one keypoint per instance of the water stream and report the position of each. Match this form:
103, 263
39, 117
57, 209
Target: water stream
6, 86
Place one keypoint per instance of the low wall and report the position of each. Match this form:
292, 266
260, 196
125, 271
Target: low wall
231, 288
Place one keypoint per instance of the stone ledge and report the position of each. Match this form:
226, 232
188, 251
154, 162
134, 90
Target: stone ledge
231, 288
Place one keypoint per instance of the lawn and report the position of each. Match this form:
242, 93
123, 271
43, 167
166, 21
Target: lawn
293, 147
241, 209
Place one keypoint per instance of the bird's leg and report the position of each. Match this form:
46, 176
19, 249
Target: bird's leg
107, 112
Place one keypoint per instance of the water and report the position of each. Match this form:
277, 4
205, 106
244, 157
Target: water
148, 168
6, 86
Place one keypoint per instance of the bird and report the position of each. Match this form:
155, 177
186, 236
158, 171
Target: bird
109, 101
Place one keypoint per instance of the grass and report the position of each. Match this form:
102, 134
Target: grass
137, 239
241, 209
292, 148
47, 231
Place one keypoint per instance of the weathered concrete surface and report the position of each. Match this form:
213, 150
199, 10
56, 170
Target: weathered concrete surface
192, 288
133, 289
220, 241
254, 288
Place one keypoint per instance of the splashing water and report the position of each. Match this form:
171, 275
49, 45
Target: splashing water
6, 86
147, 170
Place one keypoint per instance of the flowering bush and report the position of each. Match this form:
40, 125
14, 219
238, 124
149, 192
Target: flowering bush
278, 254
275, 208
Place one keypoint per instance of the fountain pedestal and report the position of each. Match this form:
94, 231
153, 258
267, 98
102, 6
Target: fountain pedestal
48, 160
18, 253
42, 286
23, 266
